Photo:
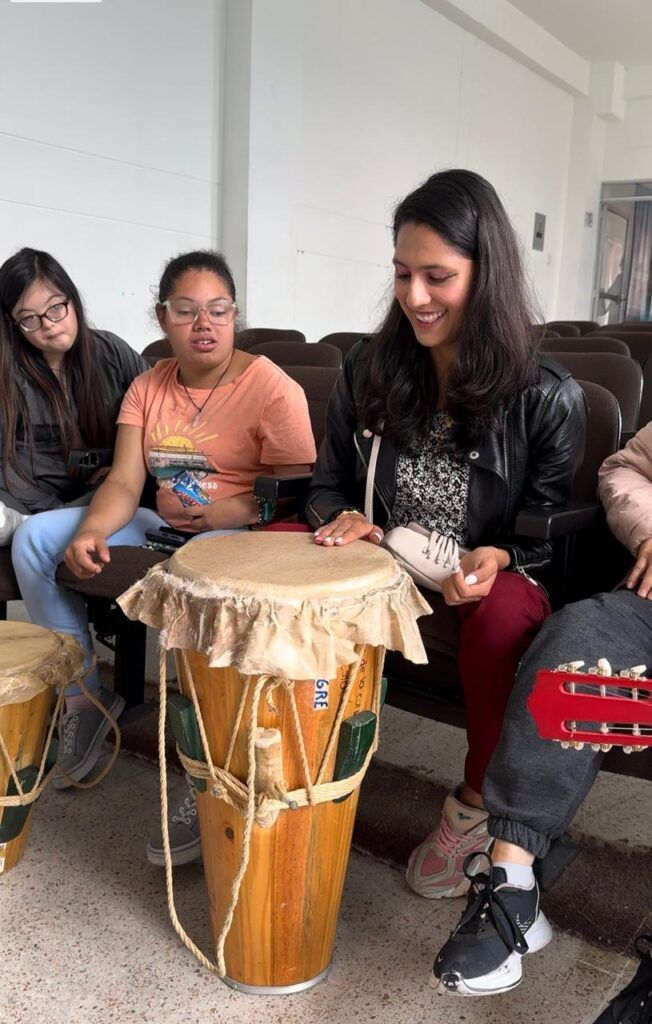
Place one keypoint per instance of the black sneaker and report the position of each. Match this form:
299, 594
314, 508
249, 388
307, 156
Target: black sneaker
634, 1004
500, 924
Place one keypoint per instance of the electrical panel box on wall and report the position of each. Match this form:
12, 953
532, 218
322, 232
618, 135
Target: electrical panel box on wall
539, 231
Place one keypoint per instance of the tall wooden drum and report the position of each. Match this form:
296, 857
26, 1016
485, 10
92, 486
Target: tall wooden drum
282, 644
33, 663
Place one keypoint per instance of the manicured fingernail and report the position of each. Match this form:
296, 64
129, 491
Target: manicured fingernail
339, 540
470, 579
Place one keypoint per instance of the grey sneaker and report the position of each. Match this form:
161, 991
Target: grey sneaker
183, 829
83, 733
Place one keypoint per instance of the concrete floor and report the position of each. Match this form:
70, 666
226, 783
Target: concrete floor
87, 940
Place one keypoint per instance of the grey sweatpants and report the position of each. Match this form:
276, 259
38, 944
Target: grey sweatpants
533, 787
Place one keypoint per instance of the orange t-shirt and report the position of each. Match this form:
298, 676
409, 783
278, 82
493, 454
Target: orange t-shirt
257, 421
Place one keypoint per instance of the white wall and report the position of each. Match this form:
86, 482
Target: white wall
628, 151
109, 143
386, 91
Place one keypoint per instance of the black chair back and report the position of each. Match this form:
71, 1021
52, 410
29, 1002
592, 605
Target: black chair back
344, 340
583, 326
246, 339
288, 353
317, 382
617, 373
586, 343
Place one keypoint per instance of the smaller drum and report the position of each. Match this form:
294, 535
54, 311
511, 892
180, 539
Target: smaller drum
33, 662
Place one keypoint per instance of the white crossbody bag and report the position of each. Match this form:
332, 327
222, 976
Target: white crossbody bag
428, 556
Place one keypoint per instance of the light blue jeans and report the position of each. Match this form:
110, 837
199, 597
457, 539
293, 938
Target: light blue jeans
37, 550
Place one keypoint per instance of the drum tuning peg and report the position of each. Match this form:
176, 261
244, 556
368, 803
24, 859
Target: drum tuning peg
292, 804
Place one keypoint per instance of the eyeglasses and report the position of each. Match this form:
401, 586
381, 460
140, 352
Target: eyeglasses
183, 312
59, 311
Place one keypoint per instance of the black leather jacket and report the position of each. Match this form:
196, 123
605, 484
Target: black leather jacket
530, 463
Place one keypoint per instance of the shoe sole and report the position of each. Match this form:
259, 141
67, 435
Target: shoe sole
183, 855
94, 748
505, 977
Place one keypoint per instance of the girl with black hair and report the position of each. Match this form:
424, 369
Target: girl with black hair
204, 424
473, 429
62, 387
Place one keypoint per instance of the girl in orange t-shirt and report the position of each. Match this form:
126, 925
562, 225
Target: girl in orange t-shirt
205, 424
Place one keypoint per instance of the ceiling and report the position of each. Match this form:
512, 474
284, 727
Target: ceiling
597, 30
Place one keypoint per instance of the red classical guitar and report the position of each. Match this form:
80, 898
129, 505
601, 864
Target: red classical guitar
595, 706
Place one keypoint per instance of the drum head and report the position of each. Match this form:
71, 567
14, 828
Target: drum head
23, 647
33, 658
285, 565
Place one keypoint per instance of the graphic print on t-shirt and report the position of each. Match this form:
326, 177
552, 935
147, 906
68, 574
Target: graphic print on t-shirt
179, 465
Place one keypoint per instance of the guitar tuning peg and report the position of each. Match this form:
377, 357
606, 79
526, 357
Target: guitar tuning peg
565, 745
637, 671
604, 747
628, 750
604, 668
595, 747
574, 666
577, 745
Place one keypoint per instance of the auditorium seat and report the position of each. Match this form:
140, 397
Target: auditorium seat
344, 340
639, 343
251, 336
288, 353
585, 343
583, 326
617, 373
564, 329
156, 350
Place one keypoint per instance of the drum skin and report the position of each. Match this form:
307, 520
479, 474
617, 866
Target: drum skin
284, 926
23, 725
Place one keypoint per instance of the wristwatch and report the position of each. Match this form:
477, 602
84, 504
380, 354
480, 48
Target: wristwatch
266, 510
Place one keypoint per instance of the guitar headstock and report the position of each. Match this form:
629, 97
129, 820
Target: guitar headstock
596, 706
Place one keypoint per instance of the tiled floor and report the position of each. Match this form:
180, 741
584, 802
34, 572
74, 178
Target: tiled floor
86, 938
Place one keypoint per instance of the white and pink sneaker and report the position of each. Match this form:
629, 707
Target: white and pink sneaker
435, 868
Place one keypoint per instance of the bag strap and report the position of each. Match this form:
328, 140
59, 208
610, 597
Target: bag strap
371, 476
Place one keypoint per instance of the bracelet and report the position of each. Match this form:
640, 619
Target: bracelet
266, 510
350, 512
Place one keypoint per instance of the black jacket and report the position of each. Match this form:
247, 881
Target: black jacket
50, 484
530, 463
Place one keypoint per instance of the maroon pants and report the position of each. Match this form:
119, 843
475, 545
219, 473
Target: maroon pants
495, 633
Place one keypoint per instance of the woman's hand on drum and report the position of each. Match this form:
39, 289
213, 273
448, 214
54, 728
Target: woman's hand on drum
87, 555
475, 576
344, 529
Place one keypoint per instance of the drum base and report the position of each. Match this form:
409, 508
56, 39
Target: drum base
276, 990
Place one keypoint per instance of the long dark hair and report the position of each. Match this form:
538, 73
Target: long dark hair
495, 354
91, 425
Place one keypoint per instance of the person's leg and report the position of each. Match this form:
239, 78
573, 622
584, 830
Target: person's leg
532, 790
37, 549
533, 787
494, 633
183, 826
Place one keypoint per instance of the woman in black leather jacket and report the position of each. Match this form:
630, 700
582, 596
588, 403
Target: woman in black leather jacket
474, 429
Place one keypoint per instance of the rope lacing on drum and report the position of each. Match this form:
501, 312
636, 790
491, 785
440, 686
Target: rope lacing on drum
242, 796
66, 725
443, 550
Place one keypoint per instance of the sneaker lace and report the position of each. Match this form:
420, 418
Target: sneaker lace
69, 730
444, 551
187, 811
486, 906
448, 841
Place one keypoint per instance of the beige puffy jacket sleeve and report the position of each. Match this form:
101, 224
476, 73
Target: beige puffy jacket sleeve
625, 489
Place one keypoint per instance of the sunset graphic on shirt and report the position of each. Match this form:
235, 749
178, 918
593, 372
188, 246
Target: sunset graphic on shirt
176, 461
